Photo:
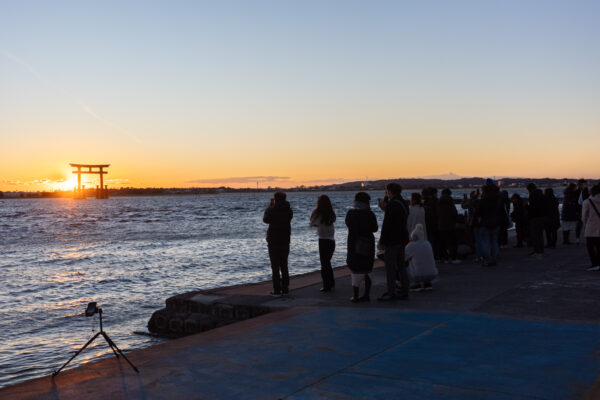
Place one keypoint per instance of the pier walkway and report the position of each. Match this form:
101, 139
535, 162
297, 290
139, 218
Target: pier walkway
526, 329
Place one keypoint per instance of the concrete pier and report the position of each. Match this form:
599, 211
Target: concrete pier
526, 329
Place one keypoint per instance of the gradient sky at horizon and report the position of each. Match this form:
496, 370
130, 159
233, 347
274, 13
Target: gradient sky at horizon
193, 93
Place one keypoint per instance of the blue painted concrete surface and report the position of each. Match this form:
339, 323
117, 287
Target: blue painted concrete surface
385, 353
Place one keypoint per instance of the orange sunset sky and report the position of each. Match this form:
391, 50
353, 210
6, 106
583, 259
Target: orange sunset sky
291, 93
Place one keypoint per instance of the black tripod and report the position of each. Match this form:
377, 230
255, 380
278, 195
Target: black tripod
112, 344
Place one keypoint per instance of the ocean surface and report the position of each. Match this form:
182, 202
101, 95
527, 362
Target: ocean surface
129, 254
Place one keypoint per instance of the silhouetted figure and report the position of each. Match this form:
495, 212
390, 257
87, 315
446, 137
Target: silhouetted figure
570, 213
504, 224
491, 214
582, 195
536, 211
361, 223
553, 217
323, 218
519, 217
393, 239
430, 202
279, 215
447, 215
591, 226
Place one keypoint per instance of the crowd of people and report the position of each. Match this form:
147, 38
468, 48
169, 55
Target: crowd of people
416, 233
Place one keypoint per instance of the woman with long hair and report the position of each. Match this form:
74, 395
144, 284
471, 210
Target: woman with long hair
323, 218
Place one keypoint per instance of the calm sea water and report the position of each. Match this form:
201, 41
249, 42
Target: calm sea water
129, 254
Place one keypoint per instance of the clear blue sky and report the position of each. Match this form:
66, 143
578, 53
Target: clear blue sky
304, 90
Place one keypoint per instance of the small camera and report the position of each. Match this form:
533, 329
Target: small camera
91, 309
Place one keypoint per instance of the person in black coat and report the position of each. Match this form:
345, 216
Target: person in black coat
279, 216
430, 203
519, 217
552, 217
361, 223
570, 213
491, 215
447, 217
536, 211
393, 239
582, 195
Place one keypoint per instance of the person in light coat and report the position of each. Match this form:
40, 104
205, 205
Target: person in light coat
590, 215
416, 214
421, 262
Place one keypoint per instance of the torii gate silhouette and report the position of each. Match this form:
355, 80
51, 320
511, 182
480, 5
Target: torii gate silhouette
102, 191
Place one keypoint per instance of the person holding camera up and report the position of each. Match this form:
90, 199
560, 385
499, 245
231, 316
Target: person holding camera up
393, 239
279, 216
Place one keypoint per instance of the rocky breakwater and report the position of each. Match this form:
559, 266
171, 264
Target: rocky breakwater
199, 311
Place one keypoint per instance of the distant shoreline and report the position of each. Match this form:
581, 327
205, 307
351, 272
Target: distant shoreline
407, 183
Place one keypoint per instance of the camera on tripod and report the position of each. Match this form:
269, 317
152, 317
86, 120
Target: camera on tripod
92, 308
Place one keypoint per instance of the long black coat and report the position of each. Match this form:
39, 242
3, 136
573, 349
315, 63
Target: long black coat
360, 223
570, 205
552, 212
279, 216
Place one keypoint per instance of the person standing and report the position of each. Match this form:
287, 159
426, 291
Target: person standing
536, 210
569, 214
279, 215
447, 216
490, 213
582, 195
361, 223
416, 215
553, 221
394, 237
590, 215
519, 217
323, 218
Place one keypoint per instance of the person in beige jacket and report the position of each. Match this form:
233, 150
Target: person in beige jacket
591, 226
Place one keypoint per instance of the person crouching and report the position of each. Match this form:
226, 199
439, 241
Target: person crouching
421, 262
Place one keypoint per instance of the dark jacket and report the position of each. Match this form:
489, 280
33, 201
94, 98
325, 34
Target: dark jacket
537, 205
519, 214
430, 205
278, 216
446, 213
361, 225
552, 212
393, 228
490, 211
570, 205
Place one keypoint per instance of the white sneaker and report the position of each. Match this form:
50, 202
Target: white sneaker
596, 268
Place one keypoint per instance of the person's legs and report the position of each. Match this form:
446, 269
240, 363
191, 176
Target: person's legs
390, 258
494, 232
326, 249
593, 248
520, 234
485, 246
537, 234
285, 276
274, 257
452, 245
443, 243
402, 274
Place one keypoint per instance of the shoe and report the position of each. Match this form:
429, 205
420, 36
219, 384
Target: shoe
285, 291
354, 299
387, 297
323, 289
428, 286
417, 289
533, 253
455, 261
596, 268
275, 294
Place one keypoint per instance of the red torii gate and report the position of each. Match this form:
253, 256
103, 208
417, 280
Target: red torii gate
102, 191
